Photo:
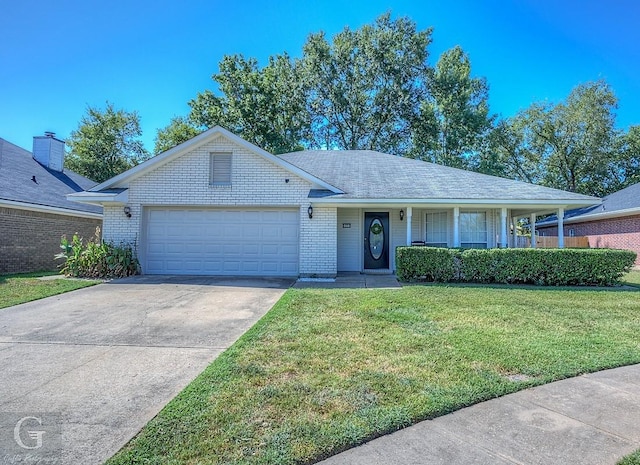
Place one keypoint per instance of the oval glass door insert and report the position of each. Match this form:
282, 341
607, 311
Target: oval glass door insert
376, 239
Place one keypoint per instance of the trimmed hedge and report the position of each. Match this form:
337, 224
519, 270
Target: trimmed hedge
543, 267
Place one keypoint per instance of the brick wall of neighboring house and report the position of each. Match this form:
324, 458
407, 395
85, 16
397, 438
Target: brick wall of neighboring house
29, 240
611, 233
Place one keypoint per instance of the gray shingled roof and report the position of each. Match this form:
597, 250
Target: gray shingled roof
625, 199
366, 174
17, 171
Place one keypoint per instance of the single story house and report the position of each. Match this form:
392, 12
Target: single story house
34, 209
612, 224
219, 205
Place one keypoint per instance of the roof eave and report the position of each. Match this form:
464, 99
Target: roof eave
593, 217
99, 198
48, 209
530, 203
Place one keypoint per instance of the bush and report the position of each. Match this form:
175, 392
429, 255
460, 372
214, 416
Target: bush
545, 267
96, 259
427, 263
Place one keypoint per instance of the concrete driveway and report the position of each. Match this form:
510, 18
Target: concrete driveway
84, 371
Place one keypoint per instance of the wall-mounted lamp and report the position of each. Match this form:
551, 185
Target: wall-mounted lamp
127, 211
310, 211
401, 215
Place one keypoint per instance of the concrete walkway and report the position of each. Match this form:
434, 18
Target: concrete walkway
591, 419
353, 281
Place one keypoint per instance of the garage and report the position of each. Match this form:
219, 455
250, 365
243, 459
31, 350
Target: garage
233, 242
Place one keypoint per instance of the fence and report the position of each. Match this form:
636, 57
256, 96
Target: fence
551, 242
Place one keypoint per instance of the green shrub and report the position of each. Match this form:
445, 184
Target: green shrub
545, 267
427, 263
96, 259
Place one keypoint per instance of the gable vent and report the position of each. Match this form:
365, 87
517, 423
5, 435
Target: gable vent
221, 169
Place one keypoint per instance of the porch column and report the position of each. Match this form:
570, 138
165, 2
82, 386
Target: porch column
514, 233
532, 220
409, 216
561, 228
456, 226
503, 228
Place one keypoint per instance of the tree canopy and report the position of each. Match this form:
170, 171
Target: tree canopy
570, 145
454, 119
179, 130
265, 106
366, 85
106, 143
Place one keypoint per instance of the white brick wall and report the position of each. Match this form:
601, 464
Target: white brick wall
318, 242
255, 182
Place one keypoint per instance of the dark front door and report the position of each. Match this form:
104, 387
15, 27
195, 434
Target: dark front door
376, 241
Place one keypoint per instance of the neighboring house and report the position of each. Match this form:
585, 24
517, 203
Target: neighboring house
218, 205
613, 224
34, 210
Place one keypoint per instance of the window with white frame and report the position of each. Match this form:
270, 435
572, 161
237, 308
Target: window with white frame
473, 230
436, 229
220, 169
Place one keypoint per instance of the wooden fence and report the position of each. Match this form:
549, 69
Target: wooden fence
551, 242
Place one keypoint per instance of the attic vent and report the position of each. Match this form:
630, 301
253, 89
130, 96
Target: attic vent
220, 169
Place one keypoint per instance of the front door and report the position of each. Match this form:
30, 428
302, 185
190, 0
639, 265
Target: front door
376, 241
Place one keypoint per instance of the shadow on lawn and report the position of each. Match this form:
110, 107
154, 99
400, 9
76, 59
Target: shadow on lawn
623, 287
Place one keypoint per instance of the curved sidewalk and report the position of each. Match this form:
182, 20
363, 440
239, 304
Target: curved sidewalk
590, 419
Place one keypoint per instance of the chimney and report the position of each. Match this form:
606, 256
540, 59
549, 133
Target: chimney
49, 151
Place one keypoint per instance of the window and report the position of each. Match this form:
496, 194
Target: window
220, 169
437, 229
473, 230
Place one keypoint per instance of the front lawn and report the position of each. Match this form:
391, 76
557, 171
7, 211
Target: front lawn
19, 288
632, 278
633, 459
326, 370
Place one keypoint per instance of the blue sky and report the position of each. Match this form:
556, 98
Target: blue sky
153, 56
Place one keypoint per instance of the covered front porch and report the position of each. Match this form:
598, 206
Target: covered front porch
367, 235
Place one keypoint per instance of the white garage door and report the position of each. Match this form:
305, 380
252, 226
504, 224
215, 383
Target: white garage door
249, 242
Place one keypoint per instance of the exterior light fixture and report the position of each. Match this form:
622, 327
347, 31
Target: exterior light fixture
127, 211
401, 215
310, 211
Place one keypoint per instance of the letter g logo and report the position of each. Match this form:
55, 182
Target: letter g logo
33, 435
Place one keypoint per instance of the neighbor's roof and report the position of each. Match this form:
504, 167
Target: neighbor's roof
366, 174
621, 203
18, 170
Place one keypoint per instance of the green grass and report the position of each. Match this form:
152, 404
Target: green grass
19, 288
632, 279
326, 370
633, 459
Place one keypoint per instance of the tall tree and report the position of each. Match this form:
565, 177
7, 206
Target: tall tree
625, 168
106, 143
265, 106
179, 130
365, 86
574, 142
454, 121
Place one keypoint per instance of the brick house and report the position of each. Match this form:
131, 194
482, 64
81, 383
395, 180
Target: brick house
34, 210
219, 205
613, 224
